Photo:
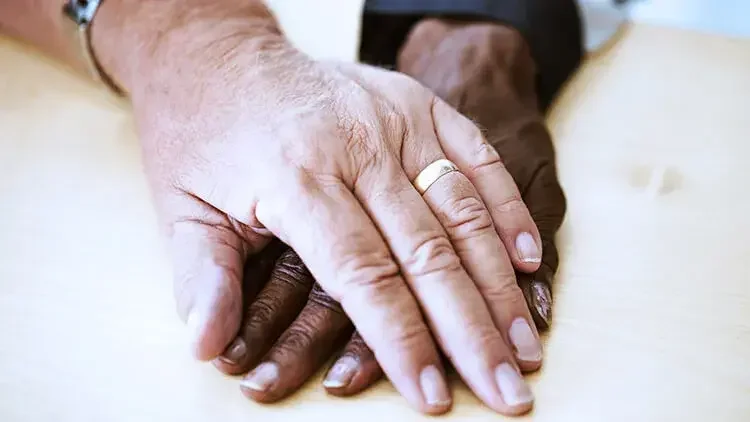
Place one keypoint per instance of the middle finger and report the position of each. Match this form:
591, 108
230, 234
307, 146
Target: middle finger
269, 314
301, 350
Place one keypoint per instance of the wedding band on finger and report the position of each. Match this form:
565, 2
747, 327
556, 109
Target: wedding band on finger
432, 173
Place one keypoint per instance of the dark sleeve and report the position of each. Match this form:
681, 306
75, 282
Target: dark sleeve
551, 27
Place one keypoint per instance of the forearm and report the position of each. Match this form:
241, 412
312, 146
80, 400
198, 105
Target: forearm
132, 39
39, 22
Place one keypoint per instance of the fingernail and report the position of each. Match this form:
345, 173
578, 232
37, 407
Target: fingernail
512, 386
262, 377
527, 249
235, 352
434, 387
525, 342
542, 299
342, 373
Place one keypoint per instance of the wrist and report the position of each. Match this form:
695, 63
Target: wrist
137, 41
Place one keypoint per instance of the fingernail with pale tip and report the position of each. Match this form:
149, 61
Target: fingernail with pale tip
542, 299
527, 249
525, 342
434, 388
235, 352
262, 377
342, 373
513, 388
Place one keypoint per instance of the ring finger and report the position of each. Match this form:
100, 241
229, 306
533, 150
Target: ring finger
461, 211
458, 207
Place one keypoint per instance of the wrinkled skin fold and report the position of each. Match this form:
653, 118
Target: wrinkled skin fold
486, 72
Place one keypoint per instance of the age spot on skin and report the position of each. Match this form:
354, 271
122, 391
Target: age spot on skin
655, 180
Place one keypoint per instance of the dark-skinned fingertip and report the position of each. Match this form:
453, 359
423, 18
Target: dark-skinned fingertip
341, 374
541, 302
235, 352
261, 379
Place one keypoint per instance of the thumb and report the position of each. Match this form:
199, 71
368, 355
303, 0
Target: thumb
208, 262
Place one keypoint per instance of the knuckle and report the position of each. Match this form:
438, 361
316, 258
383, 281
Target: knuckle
367, 270
262, 311
357, 346
290, 269
275, 306
364, 153
431, 255
411, 337
298, 338
359, 133
314, 327
511, 204
466, 218
320, 297
395, 123
485, 154
506, 292
291, 259
486, 159
354, 132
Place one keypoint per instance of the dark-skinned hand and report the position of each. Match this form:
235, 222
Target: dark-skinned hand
291, 327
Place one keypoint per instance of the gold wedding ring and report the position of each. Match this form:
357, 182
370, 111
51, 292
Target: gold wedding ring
432, 173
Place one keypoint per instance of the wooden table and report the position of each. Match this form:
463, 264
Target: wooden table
652, 315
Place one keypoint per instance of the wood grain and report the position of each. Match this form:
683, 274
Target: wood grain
652, 315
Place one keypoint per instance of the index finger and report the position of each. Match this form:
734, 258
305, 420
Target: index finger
344, 251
